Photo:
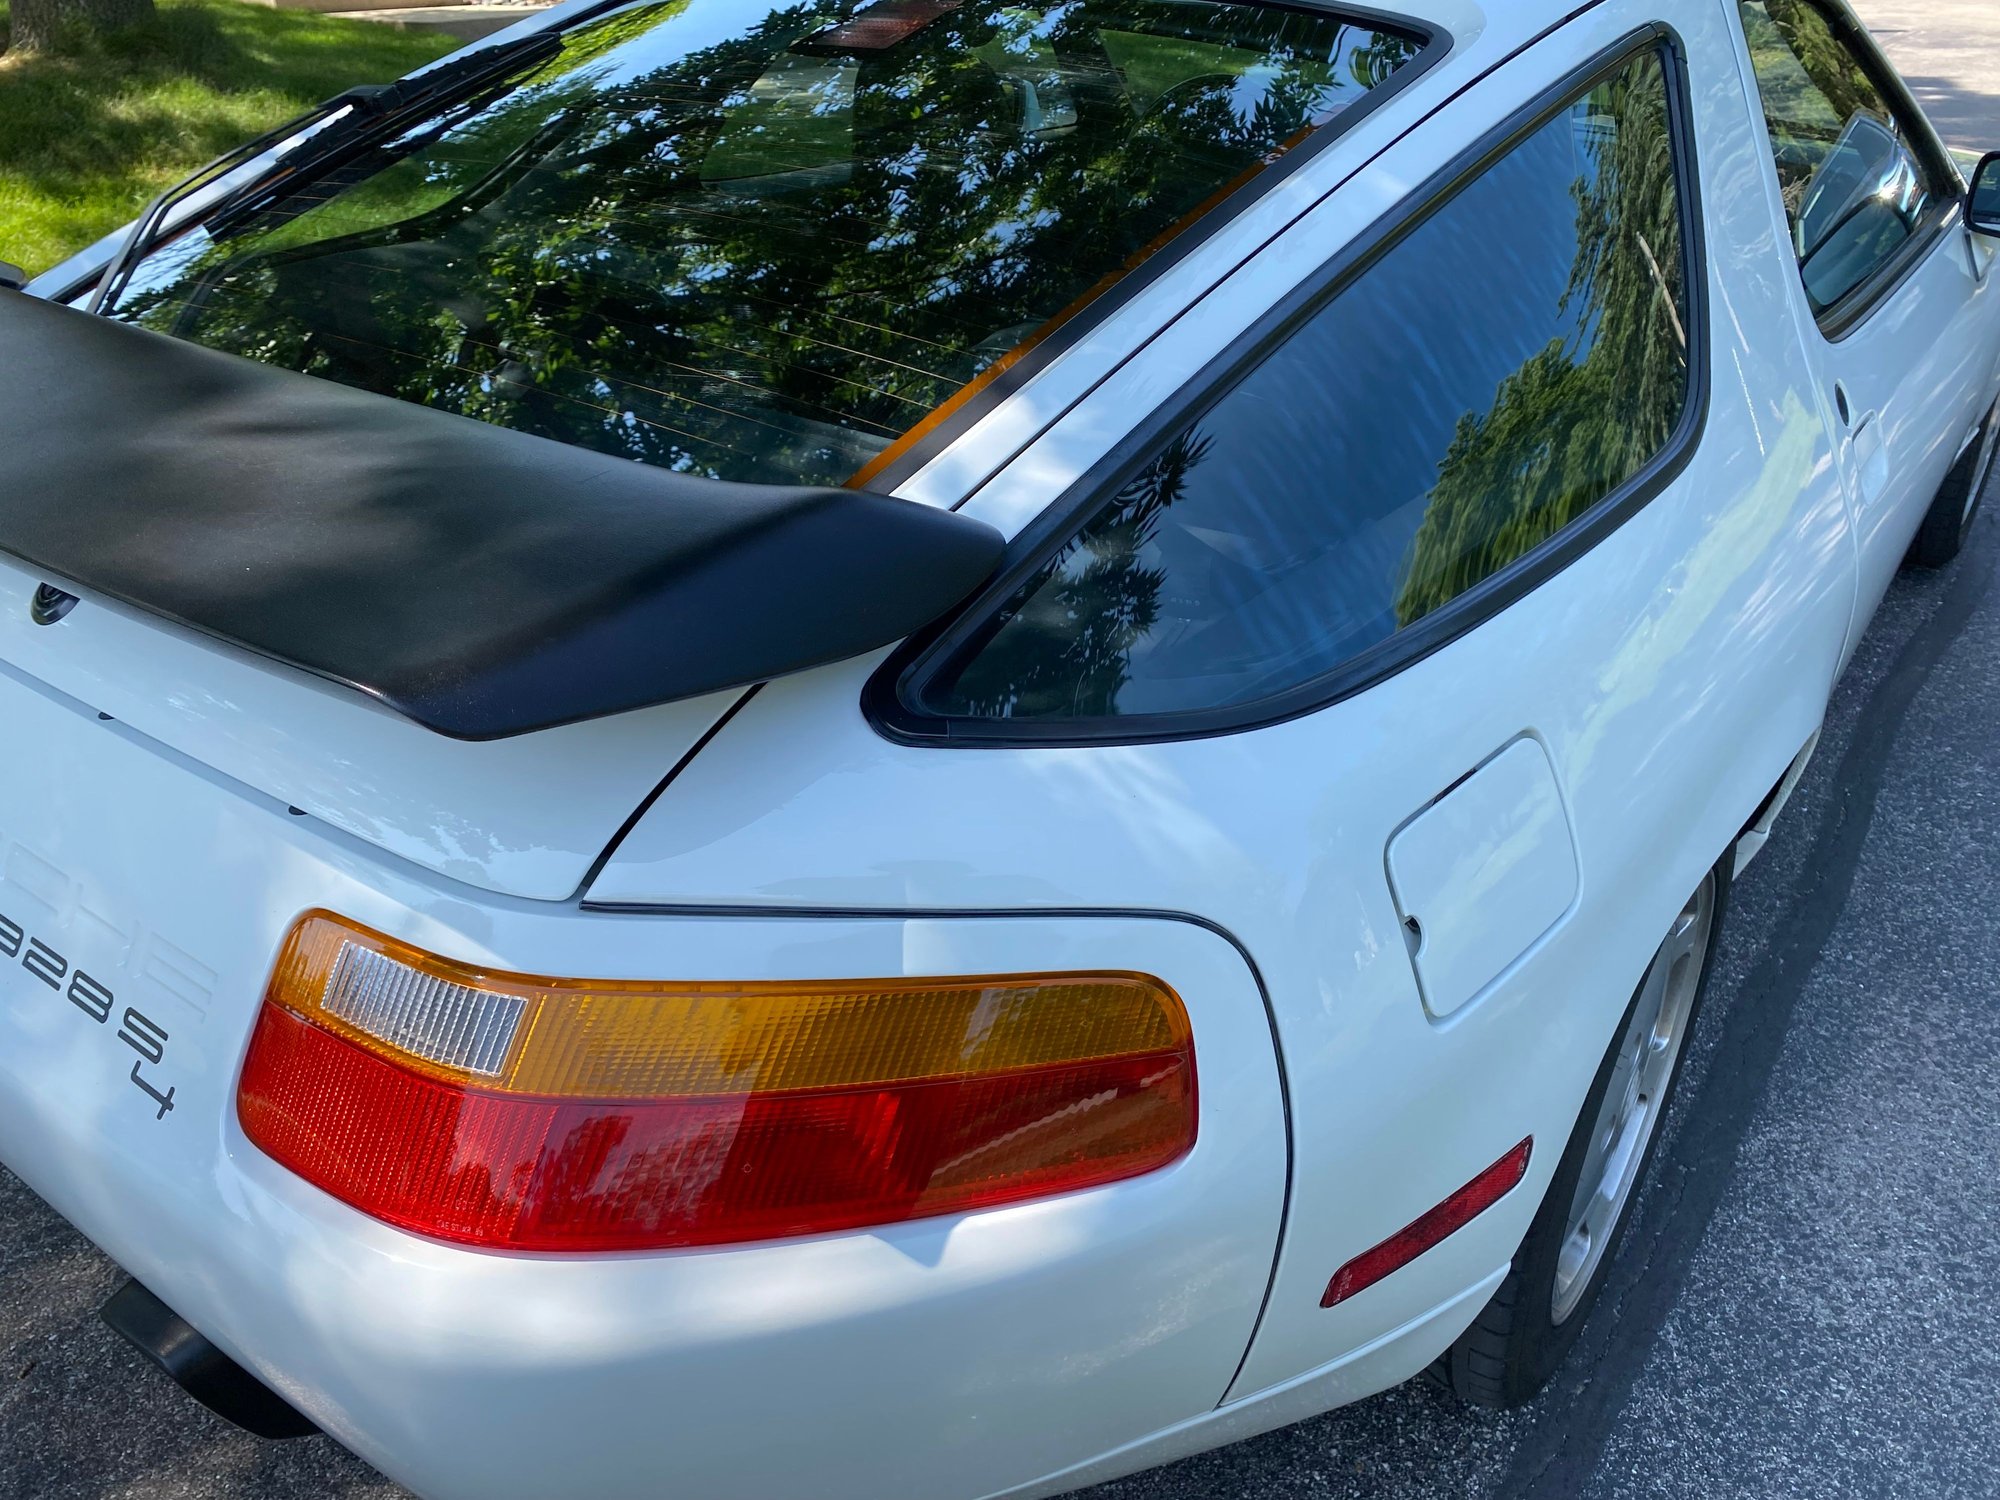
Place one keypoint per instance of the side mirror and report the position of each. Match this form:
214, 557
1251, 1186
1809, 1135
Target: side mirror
12, 277
1982, 204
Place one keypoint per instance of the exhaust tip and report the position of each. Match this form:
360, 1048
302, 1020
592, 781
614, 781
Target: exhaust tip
199, 1368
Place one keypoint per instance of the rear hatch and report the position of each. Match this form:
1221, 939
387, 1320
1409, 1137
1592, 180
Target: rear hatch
476, 648
774, 266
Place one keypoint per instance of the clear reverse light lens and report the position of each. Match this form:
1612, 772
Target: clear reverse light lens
452, 1025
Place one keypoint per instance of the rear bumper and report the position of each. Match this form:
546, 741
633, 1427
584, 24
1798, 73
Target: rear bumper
957, 1356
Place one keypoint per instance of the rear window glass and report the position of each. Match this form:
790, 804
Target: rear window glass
764, 244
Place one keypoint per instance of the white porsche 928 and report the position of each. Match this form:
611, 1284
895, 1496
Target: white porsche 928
930, 748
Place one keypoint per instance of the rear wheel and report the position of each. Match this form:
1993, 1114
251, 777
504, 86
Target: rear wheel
1520, 1338
1949, 521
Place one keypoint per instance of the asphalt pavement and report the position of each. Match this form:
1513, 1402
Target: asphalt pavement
1808, 1302
1948, 51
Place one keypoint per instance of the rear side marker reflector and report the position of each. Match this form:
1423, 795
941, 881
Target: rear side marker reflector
593, 1115
1450, 1216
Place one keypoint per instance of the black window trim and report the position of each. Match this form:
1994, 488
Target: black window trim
888, 701
1845, 317
1435, 44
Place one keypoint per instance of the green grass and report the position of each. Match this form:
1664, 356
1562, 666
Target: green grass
89, 134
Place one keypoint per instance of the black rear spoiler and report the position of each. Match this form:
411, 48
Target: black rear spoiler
479, 581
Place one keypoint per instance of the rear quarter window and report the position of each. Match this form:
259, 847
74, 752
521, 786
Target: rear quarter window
1480, 387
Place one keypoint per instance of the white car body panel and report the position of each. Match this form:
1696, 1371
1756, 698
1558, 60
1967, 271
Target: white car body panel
490, 1376
525, 816
1667, 680
1702, 692
1388, 1361
1910, 375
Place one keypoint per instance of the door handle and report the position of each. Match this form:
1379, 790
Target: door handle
1844, 404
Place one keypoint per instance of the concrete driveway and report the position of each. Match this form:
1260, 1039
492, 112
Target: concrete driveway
1809, 1302
1949, 53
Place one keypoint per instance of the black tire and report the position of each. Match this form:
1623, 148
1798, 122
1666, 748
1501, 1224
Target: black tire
1515, 1344
1949, 520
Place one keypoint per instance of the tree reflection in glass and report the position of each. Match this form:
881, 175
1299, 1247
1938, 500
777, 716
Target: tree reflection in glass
1500, 371
761, 243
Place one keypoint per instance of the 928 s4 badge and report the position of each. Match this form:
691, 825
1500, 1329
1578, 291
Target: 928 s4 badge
95, 1000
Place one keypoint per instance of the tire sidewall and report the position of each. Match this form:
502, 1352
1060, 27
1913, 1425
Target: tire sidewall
1949, 521
1982, 475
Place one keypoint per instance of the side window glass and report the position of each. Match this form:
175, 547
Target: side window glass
1496, 374
1855, 187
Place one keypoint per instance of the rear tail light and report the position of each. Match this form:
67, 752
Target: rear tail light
560, 1114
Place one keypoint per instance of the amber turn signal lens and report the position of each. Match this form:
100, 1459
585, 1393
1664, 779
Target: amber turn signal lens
560, 1114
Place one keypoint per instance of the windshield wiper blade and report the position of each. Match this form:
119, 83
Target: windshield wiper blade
380, 110
371, 110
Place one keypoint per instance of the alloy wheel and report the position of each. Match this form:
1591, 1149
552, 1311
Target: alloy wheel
1631, 1108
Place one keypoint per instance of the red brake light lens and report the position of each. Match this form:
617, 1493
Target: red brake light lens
570, 1115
